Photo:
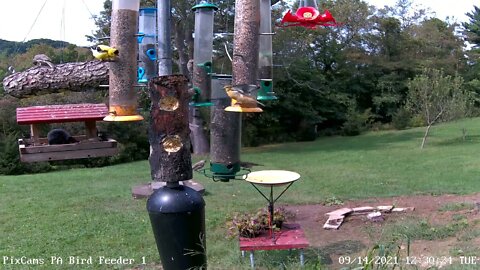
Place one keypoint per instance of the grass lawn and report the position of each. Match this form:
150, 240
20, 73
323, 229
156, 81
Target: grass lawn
90, 212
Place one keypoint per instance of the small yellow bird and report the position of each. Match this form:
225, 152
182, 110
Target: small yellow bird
104, 52
240, 97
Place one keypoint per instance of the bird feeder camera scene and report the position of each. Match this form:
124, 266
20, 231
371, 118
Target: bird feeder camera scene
240, 134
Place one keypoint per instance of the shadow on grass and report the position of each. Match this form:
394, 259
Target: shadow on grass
473, 139
370, 141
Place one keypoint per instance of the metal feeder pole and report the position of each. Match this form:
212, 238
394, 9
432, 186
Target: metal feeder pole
164, 42
122, 74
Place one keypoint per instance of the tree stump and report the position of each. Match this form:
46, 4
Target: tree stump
170, 158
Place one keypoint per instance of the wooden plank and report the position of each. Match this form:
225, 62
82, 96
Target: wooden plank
91, 129
61, 113
51, 156
34, 133
83, 145
291, 236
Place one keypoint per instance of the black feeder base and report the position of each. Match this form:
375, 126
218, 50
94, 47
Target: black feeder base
177, 215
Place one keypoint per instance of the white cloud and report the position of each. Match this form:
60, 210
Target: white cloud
443, 9
59, 20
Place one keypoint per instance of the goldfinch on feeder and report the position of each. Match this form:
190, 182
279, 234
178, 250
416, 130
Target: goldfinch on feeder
104, 52
240, 98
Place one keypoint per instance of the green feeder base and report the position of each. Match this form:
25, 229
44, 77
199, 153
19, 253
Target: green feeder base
265, 92
224, 173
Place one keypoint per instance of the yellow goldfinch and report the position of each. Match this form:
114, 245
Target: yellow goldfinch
104, 52
240, 97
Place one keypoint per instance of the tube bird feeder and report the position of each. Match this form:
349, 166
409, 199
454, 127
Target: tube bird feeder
265, 55
245, 57
122, 74
202, 53
225, 133
147, 53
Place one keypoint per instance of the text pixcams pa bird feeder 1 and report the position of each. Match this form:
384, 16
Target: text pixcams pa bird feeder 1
265, 62
308, 16
147, 53
123, 71
202, 54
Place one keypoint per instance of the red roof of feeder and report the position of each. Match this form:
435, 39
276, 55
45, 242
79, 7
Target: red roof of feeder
61, 113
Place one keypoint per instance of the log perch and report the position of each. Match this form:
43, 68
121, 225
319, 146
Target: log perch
76, 76
170, 158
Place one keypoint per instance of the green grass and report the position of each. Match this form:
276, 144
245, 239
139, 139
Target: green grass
90, 212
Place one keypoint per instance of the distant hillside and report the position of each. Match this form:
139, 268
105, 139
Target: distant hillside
14, 47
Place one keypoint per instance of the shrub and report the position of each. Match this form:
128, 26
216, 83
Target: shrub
252, 225
356, 122
401, 119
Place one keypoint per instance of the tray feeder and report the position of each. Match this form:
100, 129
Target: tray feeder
308, 17
271, 179
36, 148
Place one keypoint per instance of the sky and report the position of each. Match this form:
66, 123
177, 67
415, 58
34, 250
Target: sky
71, 20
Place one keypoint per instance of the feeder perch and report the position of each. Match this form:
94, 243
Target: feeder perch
308, 17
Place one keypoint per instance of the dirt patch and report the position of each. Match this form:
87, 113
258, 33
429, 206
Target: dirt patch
451, 221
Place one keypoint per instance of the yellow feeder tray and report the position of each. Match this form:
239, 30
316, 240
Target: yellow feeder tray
119, 113
235, 107
242, 109
272, 177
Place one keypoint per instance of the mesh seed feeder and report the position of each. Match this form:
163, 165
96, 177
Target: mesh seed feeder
202, 54
123, 71
265, 62
224, 142
147, 66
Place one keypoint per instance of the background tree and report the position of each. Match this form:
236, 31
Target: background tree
437, 97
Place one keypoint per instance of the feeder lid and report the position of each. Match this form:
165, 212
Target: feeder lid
272, 177
148, 10
205, 4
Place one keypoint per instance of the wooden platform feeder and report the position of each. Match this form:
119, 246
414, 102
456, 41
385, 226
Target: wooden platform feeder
37, 149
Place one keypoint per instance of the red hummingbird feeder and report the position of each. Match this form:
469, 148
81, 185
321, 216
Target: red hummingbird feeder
308, 17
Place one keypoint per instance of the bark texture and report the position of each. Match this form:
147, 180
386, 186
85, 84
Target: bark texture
170, 158
76, 76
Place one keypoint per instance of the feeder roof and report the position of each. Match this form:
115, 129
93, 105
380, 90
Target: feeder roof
205, 4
